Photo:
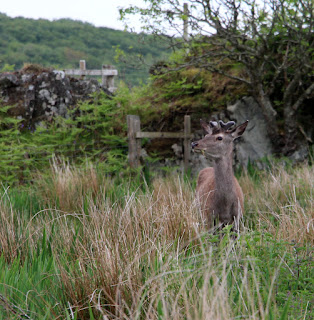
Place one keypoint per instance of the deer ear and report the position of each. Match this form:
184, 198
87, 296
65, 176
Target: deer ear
239, 130
206, 126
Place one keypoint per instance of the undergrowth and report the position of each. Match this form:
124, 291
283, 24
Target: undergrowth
78, 244
95, 130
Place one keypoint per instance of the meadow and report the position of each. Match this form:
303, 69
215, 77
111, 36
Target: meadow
76, 244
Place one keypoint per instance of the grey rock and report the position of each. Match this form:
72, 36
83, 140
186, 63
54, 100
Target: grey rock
38, 96
59, 74
301, 154
8, 80
255, 143
178, 150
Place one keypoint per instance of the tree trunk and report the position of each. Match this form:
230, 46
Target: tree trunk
270, 115
290, 127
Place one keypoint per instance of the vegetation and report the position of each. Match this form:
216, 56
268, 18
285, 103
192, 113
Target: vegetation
82, 237
207, 72
62, 43
77, 244
268, 47
94, 131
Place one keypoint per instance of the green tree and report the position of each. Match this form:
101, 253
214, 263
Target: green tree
64, 42
271, 42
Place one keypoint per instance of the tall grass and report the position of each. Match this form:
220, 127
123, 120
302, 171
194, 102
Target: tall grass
282, 202
95, 248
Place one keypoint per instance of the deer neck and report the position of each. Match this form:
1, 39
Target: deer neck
224, 177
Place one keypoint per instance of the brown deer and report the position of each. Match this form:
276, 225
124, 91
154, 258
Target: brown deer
219, 193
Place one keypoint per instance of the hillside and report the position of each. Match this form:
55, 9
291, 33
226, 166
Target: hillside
62, 43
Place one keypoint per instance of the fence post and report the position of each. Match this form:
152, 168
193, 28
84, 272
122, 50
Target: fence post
134, 126
187, 142
185, 26
107, 81
82, 65
185, 22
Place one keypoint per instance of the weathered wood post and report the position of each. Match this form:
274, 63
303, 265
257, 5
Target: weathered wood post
185, 26
82, 65
107, 80
134, 126
187, 142
185, 22
107, 73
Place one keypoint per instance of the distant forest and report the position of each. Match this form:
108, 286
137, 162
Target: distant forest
62, 43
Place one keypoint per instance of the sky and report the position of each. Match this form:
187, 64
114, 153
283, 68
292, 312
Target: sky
100, 13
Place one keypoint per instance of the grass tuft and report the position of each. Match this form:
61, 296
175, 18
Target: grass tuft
103, 249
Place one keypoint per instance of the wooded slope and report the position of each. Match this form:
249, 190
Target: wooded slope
62, 43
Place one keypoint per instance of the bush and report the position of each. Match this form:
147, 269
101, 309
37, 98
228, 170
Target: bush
95, 131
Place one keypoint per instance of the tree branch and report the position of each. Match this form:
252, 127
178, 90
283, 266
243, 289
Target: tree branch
306, 94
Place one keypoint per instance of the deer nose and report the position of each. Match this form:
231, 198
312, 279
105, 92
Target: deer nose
194, 144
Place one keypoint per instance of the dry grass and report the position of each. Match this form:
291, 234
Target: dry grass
148, 255
67, 187
9, 231
282, 202
122, 240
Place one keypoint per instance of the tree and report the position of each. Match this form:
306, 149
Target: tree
272, 42
62, 43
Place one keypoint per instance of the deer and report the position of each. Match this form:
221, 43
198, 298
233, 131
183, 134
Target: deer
218, 191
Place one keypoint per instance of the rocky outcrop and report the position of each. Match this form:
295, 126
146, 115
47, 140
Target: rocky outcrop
39, 95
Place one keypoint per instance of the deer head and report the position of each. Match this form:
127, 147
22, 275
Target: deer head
218, 142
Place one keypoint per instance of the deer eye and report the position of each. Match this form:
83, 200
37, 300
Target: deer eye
219, 138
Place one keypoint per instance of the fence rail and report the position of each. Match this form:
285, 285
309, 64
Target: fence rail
135, 135
107, 74
103, 72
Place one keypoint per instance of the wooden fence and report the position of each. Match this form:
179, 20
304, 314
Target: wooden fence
107, 74
135, 135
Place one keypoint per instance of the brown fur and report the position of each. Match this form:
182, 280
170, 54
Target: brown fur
207, 192
219, 193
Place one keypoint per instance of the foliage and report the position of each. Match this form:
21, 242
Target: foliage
7, 68
271, 45
12, 149
95, 131
172, 93
126, 252
62, 43
194, 88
